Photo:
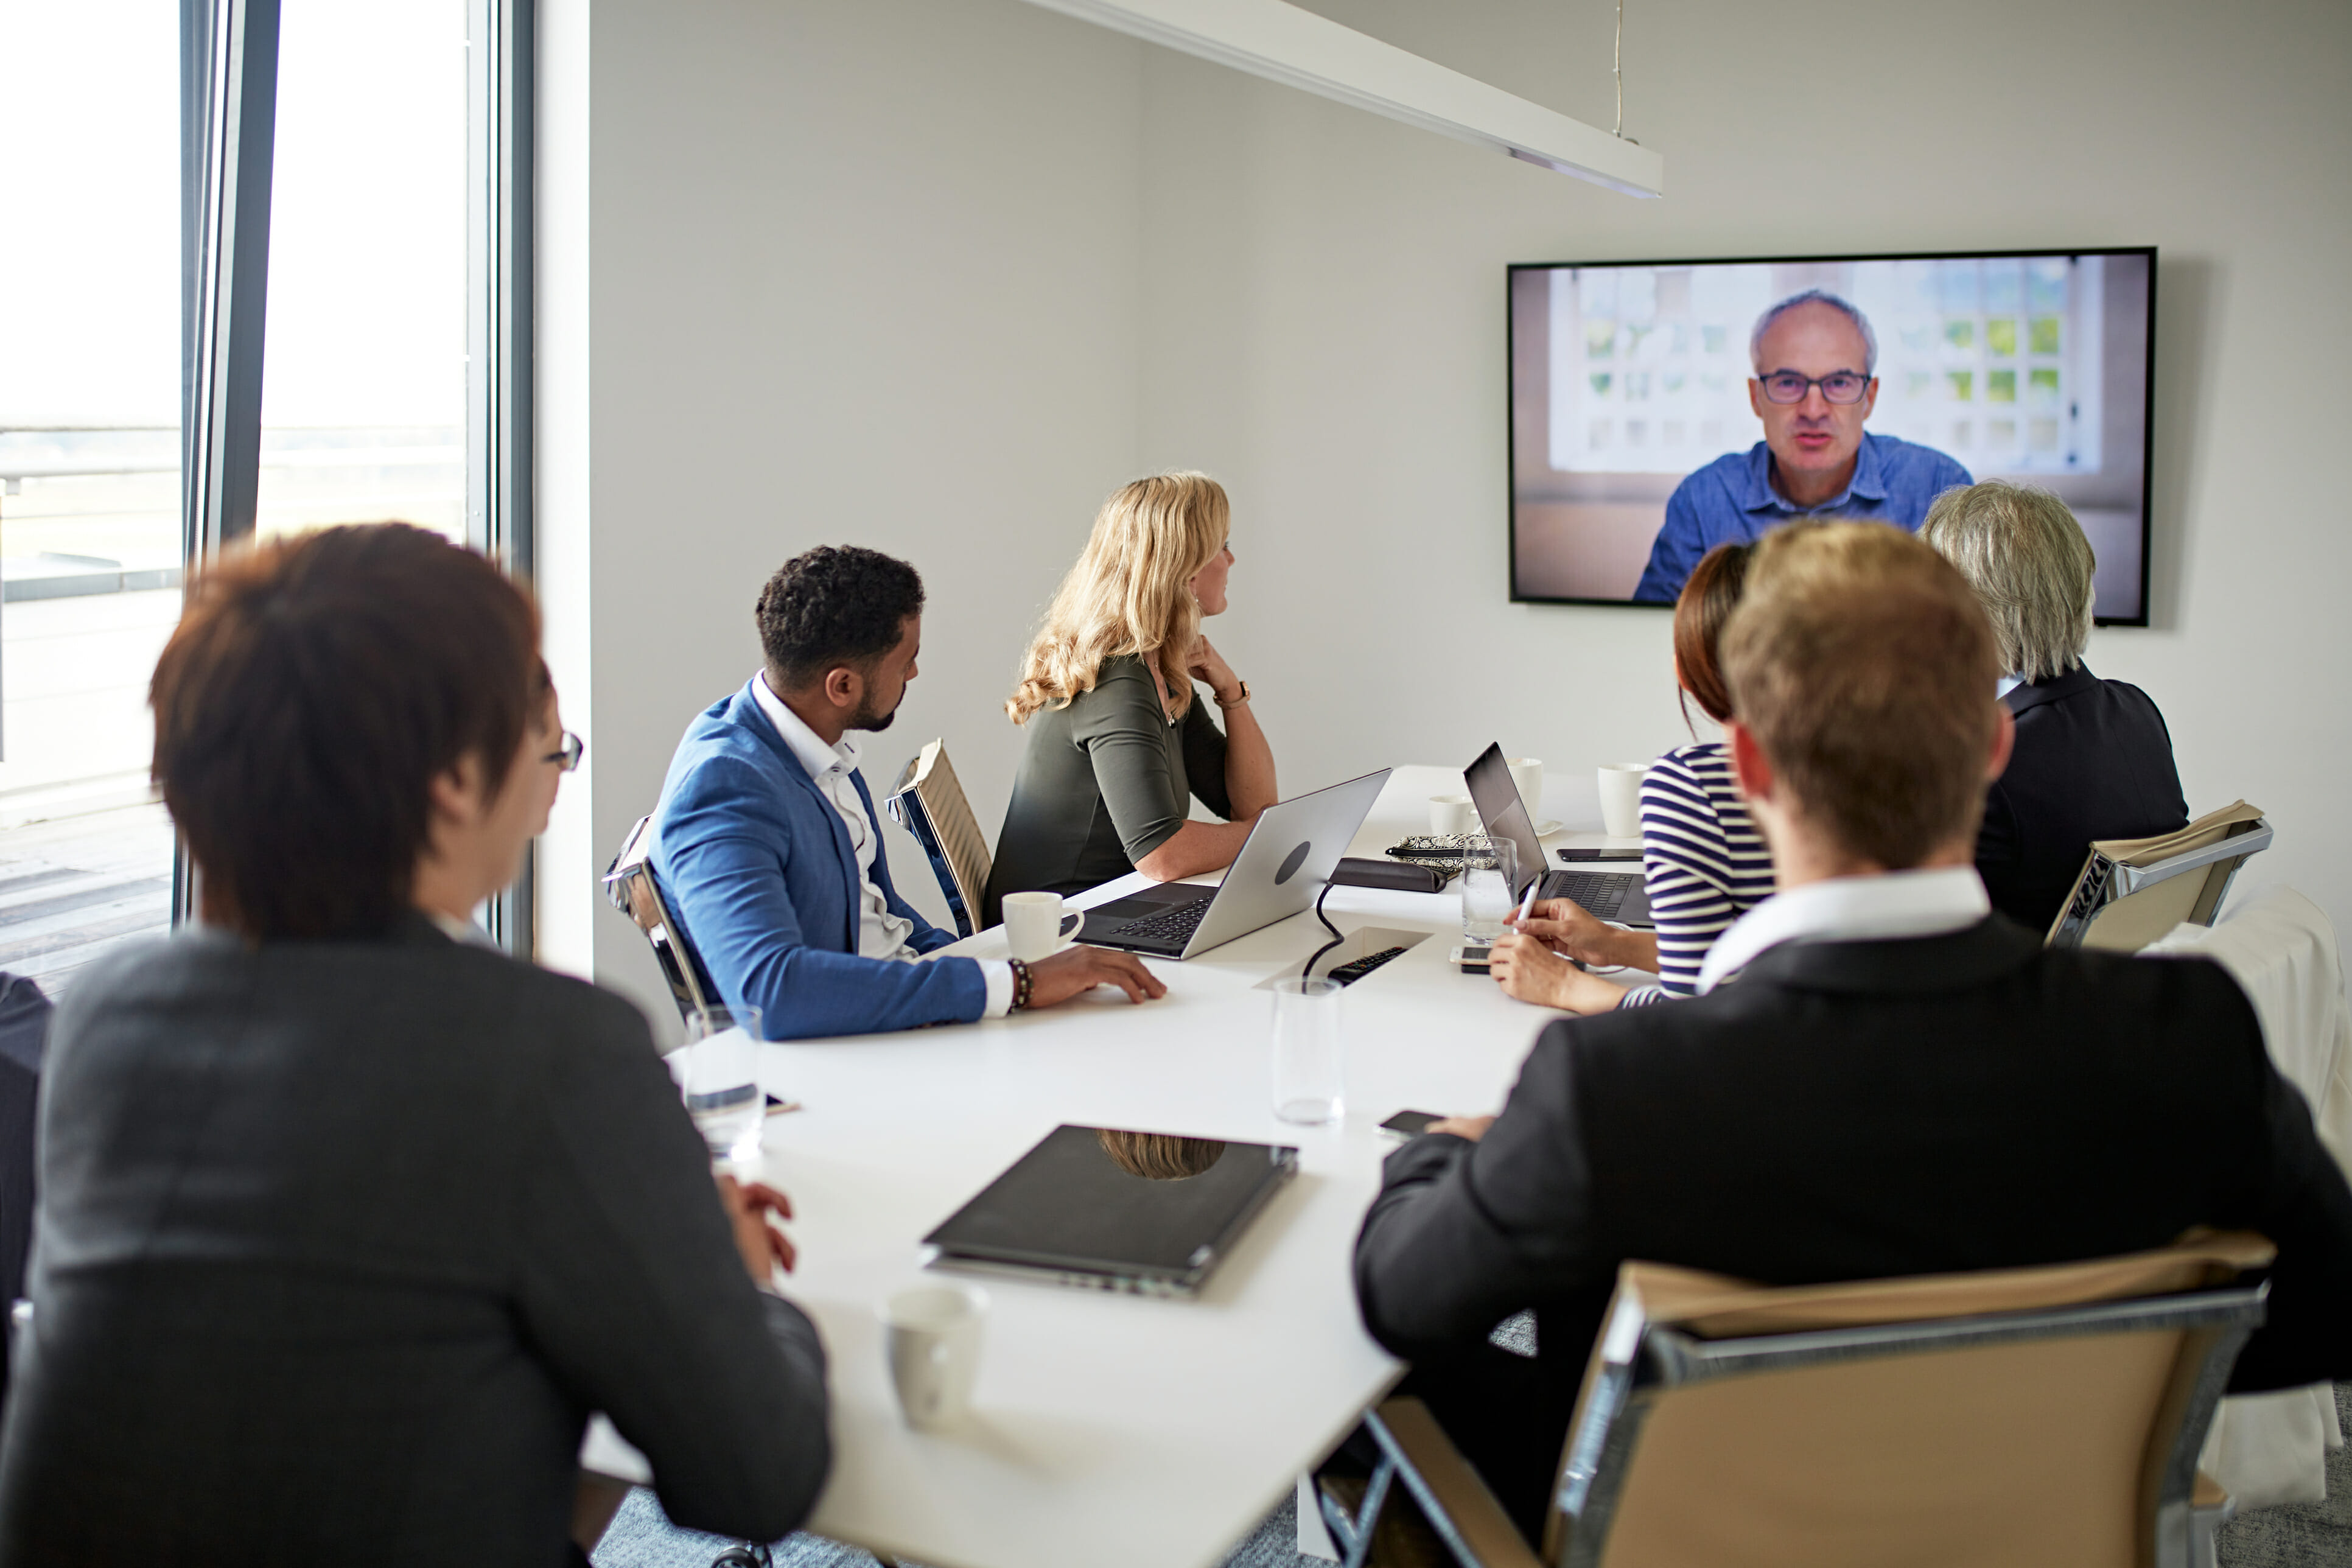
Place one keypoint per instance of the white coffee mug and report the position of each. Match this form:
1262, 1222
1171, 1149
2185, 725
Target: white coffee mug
1527, 777
1451, 814
1620, 798
931, 1337
1033, 925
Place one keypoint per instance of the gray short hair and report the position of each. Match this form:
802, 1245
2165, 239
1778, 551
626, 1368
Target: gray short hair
2025, 555
1815, 297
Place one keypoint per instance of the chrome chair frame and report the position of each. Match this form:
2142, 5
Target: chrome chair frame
2105, 883
630, 883
945, 843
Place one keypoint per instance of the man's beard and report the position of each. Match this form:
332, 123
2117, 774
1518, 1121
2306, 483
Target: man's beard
867, 719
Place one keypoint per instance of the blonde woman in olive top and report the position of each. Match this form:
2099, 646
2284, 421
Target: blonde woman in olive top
1119, 739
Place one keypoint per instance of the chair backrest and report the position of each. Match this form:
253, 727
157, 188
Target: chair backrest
629, 883
930, 804
2133, 890
2029, 1418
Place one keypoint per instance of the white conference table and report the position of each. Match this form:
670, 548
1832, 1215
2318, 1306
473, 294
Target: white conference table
1153, 1432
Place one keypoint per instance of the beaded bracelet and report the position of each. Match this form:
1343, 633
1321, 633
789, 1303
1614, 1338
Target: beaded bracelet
1020, 986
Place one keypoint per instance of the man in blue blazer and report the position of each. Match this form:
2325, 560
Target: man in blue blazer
766, 841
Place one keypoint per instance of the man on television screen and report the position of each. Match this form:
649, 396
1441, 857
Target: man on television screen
1815, 383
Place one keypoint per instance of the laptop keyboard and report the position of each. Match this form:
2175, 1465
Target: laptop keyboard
1176, 925
1600, 892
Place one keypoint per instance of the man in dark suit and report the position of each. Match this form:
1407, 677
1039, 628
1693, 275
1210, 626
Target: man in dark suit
2093, 757
1881, 1076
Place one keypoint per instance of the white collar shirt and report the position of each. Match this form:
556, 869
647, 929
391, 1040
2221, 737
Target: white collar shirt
880, 933
1883, 908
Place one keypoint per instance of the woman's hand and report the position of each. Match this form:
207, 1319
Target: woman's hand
1528, 970
1567, 927
1206, 663
763, 1246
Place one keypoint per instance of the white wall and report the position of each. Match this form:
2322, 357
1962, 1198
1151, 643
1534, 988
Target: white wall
859, 271
933, 275
1324, 328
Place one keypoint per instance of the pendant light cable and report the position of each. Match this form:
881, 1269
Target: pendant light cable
1617, 70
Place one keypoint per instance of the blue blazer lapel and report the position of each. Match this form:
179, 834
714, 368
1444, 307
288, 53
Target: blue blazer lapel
749, 715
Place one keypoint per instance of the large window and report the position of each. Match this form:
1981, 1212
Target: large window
363, 380
90, 458
268, 269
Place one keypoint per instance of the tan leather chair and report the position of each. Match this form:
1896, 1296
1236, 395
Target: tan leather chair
2015, 1419
929, 802
629, 883
2133, 890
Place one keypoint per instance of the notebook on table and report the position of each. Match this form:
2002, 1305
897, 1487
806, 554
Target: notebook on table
1111, 1209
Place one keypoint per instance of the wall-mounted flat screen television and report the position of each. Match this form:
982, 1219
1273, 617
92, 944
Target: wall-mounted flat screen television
1659, 409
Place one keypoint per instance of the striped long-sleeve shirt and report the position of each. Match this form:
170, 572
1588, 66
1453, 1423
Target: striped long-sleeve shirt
1702, 859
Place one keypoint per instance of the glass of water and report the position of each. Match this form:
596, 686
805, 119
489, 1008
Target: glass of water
1489, 883
1309, 1076
717, 1073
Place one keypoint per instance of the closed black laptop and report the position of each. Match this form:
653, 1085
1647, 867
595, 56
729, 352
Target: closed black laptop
1110, 1209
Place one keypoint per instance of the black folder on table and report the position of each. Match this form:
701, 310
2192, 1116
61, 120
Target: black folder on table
1110, 1209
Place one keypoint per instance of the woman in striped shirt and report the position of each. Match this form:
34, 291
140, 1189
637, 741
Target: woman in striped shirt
1702, 858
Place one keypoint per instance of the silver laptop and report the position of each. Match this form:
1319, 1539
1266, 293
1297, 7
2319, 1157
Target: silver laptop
1620, 896
1290, 853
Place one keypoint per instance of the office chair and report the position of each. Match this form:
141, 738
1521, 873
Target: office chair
2133, 890
929, 802
2025, 1418
629, 883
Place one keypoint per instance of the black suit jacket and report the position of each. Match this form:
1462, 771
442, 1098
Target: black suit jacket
1864, 1109
2092, 761
339, 1242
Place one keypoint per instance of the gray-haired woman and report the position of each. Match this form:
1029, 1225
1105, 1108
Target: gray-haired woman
2093, 759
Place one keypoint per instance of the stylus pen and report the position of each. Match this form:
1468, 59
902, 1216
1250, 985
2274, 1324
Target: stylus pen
1526, 903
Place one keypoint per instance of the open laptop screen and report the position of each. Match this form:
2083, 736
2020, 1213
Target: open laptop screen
1504, 813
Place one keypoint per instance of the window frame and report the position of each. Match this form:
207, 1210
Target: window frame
228, 123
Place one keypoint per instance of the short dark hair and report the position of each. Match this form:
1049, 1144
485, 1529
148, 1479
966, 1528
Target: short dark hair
1709, 596
835, 604
314, 689
1864, 665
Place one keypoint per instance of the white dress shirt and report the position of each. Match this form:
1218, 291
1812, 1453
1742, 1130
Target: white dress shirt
1884, 908
880, 933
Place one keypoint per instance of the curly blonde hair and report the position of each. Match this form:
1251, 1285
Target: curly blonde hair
1129, 593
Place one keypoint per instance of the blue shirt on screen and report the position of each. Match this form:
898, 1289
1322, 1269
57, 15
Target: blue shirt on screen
1732, 498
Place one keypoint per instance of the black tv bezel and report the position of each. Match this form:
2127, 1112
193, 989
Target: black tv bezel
1511, 410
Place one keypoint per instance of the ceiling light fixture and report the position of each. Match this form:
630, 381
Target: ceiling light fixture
1301, 49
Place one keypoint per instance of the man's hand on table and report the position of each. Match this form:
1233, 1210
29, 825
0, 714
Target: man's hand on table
763, 1245
1471, 1127
1077, 969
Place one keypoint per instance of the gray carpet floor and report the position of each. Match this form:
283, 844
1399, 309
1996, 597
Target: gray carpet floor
2300, 1536
2308, 1535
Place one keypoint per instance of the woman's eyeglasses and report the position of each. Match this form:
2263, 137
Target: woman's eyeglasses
568, 755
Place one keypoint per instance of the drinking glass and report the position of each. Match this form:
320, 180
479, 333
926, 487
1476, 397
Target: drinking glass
717, 1073
1309, 1076
1490, 887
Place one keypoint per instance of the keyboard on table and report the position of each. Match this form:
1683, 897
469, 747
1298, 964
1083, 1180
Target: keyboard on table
1601, 892
1177, 925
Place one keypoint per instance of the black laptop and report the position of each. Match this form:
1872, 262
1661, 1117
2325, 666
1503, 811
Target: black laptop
1620, 896
1109, 1209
